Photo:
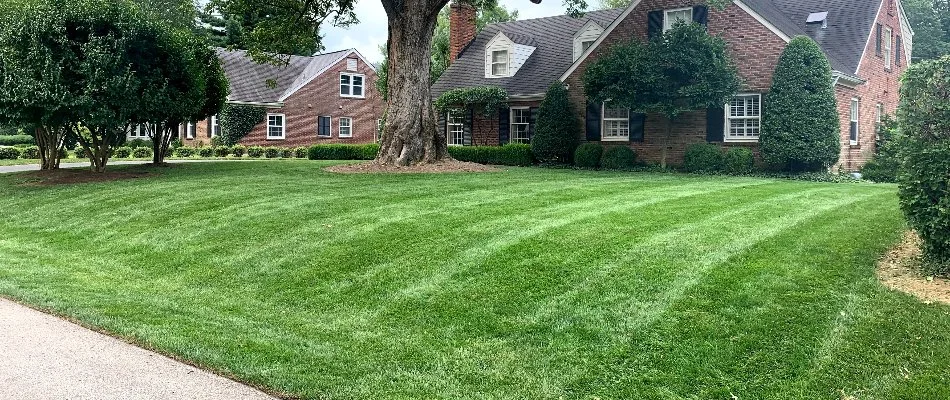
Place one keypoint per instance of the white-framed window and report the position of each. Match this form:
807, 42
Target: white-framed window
878, 120
275, 126
520, 125
215, 126
499, 63
351, 85
855, 117
888, 45
455, 127
743, 118
672, 17
346, 127
190, 129
323, 126
586, 45
615, 124
138, 131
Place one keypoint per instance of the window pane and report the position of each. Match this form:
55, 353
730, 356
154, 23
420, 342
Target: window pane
357, 90
616, 113
357, 81
586, 45
499, 56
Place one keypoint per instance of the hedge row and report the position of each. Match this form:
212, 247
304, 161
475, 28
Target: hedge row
519, 155
704, 157
13, 140
343, 151
238, 151
594, 156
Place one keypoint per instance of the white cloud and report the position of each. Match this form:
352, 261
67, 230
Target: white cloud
370, 33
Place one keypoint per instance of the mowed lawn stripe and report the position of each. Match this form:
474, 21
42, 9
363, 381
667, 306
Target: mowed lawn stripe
527, 283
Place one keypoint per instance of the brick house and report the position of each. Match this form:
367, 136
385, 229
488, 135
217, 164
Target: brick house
326, 98
868, 43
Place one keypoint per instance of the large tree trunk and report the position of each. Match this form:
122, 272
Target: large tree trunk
666, 142
98, 147
161, 141
50, 141
410, 135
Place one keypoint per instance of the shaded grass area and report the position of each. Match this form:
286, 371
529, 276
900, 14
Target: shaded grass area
526, 283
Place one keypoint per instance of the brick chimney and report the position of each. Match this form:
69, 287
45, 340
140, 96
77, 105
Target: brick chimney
461, 27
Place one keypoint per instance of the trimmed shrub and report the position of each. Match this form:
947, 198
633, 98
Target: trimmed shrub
800, 124
343, 151
557, 131
205, 151
13, 140
9, 153
238, 150
30, 152
272, 152
255, 152
924, 179
184, 152
300, 152
618, 157
518, 155
222, 151
80, 152
703, 157
136, 143
286, 153
122, 152
588, 156
738, 161
885, 164
142, 152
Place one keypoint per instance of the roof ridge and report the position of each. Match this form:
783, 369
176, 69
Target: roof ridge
554, 16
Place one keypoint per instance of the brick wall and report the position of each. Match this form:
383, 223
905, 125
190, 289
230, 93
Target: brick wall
754, 47
485, 128
882, 86
321, 97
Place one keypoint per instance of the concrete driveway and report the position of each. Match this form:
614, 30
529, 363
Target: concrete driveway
44, 357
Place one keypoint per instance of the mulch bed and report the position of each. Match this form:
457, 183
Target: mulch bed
69, 176
900, 270
437, 168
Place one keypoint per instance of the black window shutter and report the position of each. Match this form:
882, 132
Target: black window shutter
504, 126
593, 122
532, 118
897, 52
880, 33
209, 127
443, 123
467, 139
637, 125
701, 15
715, 124
654, 23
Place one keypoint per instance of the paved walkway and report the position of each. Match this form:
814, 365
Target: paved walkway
44, 357
36, 167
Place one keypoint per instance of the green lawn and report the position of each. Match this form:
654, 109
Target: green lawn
527, 283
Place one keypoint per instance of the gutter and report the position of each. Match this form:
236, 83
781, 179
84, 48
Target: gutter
848, 80
278, 104
527, 97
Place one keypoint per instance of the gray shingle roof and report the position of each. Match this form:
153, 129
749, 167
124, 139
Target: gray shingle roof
248, 79
553, 39
849, 26
850, 23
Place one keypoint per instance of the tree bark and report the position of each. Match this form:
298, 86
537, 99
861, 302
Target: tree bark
410, 135
666, 142
50, 141
161, 141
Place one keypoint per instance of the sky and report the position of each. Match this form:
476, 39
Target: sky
370, 33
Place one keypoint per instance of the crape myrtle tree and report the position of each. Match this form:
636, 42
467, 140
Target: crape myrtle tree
410, 135
38, 80
800, 127
682, 70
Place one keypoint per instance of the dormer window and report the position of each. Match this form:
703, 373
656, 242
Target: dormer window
499, 63
586, 45
673, 17
585, 38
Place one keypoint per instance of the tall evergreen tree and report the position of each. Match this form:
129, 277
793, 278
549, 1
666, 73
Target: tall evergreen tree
800, 124
557, 131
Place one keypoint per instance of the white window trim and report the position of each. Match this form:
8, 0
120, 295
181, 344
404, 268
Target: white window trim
492, 63
339, 123
351, 85
448, 128
214, 126
888, 46
512, 123
283, 127
329, 129
728, 114
879, 120
603, 125
667, 22
854, 116
191, 130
